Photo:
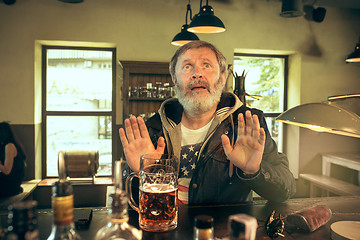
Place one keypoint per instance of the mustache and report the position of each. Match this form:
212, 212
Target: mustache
198, 82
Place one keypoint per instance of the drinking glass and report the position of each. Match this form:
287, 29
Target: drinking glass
158, 190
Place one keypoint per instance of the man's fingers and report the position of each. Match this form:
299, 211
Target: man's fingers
123, 138
129, 131
256, 127
226, 144
143, 129
135, 127
262, 136
249, 123
160, 145
241, 125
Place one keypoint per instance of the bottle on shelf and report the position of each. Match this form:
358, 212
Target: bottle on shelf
62, 202
203, 228
22, 221
117, 226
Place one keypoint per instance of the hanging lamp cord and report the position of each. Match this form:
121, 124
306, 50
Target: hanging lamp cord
207, 3
188, 9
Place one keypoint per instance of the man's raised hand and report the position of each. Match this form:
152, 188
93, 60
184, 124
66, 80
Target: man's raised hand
136, 142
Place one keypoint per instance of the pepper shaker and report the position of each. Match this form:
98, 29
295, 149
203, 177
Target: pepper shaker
203, 228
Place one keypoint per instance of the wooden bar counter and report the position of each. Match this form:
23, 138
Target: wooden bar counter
343, 208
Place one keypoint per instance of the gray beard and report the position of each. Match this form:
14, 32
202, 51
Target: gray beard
194, 104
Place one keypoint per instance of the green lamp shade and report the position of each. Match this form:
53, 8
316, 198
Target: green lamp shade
355, 56
206, 22
323, 117
184, 36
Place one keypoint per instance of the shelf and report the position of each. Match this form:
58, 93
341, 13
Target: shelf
77, 181
146, 99
140, 74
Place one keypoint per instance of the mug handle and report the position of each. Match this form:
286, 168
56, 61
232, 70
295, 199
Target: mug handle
128, 184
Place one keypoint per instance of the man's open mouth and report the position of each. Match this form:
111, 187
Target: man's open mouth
198, 87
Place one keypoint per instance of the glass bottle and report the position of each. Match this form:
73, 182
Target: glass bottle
63, 209
22, 221
203, 228
117, 227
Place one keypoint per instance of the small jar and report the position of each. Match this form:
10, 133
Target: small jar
203, 228
242, 227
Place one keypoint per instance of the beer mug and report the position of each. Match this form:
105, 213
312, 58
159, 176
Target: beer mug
158, 190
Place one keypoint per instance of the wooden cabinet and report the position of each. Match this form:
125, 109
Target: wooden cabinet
146, 86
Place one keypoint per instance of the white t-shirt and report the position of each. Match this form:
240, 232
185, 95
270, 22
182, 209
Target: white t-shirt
191, 142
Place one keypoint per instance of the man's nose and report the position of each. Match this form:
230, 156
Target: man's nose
197, 73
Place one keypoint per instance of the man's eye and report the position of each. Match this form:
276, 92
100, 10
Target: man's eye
187, 67
207, 65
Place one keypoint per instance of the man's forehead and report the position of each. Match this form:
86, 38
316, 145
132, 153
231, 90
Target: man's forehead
205, 54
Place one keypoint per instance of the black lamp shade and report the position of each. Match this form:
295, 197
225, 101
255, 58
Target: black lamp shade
9, 2
291, 8
206, 22
184, 36
319, 14
355, 56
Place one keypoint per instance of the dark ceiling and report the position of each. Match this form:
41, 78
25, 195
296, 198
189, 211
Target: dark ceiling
354, 4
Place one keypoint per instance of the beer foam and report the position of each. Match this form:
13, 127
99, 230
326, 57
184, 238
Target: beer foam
158, 188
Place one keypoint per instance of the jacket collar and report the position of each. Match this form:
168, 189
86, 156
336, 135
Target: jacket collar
171, 110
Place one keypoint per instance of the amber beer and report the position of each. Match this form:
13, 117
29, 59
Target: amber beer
158, 190
158, 207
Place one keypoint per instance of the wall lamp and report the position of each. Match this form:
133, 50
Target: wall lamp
185, 36
355, 56
324, 117
205, 21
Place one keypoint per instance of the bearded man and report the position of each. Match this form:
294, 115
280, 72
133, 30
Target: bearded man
225, 148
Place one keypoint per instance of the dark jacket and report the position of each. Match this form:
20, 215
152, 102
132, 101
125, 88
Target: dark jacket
214, 180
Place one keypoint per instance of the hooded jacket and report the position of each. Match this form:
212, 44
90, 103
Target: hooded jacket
215, 179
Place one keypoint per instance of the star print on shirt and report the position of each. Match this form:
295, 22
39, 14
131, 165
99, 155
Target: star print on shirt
188, 160
193, 166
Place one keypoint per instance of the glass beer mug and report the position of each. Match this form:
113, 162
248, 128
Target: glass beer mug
158, 190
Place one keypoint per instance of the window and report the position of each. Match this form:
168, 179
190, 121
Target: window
78, 104
265, 82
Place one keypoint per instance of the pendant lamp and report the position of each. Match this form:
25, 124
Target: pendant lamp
355, 56
324, 117
292, 8
185, 36
205, 21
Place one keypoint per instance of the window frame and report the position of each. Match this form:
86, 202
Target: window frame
286, 77
45, 112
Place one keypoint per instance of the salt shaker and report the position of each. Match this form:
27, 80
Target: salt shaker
242, 227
